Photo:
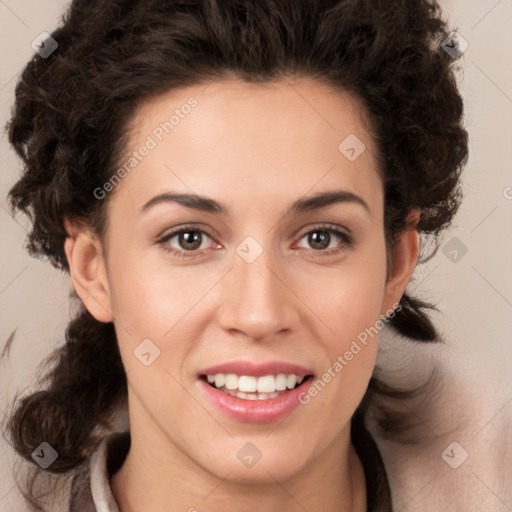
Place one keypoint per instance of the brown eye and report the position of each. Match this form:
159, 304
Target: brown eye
323, 240
319, 239
187, 240
190, 240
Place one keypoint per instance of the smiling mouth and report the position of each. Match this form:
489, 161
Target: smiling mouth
248, 387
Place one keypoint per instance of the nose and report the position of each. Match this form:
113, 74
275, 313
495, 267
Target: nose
257, 301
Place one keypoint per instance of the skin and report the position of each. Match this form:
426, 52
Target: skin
255, 149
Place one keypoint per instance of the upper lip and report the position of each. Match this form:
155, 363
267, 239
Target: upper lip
257, 369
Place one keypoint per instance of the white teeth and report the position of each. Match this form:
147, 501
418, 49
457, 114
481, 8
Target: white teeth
280, 382
231, 381
266, 384
220, 380
247, 384
252, 396
249, 387
291, 380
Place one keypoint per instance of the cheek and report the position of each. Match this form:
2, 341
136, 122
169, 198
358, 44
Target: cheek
152, 295
171, 306
352, 312
349, 309
349, 302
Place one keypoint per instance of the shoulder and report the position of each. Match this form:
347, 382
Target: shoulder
458, 449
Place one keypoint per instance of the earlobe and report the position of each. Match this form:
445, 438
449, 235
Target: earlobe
88, 272
405, 257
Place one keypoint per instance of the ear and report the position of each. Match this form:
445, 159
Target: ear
405, 257
88, 270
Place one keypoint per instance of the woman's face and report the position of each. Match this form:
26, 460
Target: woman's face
250, 285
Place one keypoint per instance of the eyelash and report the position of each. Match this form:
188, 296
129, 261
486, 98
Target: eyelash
347, 240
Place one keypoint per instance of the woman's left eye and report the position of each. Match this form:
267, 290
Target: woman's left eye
190, 239
320, 237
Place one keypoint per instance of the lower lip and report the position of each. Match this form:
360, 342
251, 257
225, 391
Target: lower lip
256, 411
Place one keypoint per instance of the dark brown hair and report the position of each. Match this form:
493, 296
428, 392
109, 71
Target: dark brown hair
69, 128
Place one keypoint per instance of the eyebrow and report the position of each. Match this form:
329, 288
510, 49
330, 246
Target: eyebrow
305, 204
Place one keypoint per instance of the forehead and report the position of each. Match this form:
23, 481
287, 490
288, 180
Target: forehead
237, 141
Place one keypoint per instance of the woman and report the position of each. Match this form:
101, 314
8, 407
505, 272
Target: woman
299, 148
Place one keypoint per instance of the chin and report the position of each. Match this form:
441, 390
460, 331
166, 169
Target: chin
255, 462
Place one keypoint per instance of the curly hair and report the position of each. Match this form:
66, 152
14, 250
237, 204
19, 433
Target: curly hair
69, 127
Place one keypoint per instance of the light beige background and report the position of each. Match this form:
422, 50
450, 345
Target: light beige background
473, 294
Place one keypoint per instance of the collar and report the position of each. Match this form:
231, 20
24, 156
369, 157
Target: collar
90, 489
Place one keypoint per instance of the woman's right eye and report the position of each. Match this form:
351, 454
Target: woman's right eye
188, 240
